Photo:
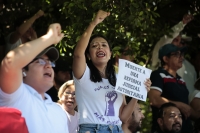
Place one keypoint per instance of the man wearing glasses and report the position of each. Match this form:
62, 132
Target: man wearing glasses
26, 74
168, 86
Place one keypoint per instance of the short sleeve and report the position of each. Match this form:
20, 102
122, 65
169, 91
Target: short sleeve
84, 78
157, 81
10, 99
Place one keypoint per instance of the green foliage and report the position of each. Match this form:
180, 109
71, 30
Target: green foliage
127, 24
137, 24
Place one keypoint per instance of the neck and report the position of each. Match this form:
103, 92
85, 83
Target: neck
102, 70
71, 112
125, 128
171, 70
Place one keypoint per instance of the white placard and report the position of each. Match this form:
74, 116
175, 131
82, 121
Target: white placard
131, 78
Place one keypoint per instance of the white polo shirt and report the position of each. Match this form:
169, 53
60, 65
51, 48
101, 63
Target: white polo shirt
42, 116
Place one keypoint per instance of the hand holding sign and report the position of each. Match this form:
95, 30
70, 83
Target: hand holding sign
148, 84
133, 80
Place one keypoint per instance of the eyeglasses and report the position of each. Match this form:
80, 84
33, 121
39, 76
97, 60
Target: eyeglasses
183, 42
69, 93
42, 61
177, 54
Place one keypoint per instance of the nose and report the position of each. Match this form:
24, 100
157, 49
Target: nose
177, 118
99, 47
143, 116
71, 96
182, 57
47, 65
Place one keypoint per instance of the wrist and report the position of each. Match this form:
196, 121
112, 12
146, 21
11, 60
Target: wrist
93, 24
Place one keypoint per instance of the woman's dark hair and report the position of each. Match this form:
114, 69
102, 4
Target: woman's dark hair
95, 75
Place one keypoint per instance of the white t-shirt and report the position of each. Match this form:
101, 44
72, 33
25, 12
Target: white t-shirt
196, 93
165, 40
10, 46
188, 73
98, 103
72, 122
42, 116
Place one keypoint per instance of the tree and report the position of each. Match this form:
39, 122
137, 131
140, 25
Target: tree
135, 23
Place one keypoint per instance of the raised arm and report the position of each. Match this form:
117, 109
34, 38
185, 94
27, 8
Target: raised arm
168, 39
21, 30
79, 61
16, 59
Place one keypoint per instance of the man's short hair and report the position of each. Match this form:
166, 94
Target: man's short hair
163, 107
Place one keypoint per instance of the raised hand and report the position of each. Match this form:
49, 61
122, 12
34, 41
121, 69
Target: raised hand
187, 18
147, 84
54, 33
39, 14
101, 15
32, 34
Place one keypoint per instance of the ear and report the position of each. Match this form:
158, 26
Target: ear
160, 122
88, 56
165, 59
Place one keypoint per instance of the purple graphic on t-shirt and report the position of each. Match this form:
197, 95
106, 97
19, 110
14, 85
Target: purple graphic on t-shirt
101, 87
110, 98
106, 121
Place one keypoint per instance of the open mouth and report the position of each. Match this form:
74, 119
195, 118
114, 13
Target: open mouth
70, 103
47, 74
100, 54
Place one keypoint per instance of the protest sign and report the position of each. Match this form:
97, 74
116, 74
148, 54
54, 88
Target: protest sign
131, 78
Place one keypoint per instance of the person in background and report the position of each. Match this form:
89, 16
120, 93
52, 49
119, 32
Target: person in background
12, 121
187, 71
174, 38
195, 60
168, 86
23, 33
134, 123
29, 67
195, 97
63, 73
101, 108
169, 119
197, 126
67, 101
126, 54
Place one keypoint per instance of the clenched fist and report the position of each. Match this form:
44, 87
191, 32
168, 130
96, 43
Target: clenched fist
101, 15
54, 33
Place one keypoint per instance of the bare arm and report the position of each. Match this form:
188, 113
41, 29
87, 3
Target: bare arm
24, 27
195, 104
156, 100
126, 110
79, 61
167, 39
15, 60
